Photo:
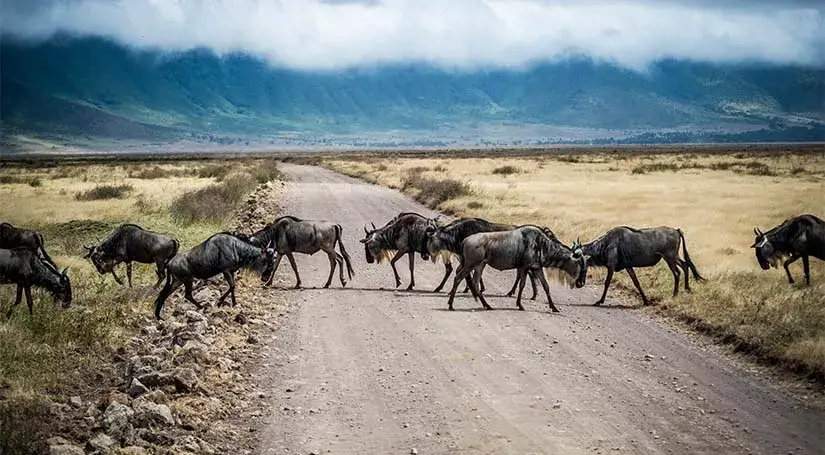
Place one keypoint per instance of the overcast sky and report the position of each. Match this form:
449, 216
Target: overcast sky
331, 34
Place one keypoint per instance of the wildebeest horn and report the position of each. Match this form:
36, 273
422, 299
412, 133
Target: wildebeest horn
373, 226
64, 271
366, 231
756, 231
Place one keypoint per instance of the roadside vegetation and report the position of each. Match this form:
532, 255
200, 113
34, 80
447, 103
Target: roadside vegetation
715, 197
65, 352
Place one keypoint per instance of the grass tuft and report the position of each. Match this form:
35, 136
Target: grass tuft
103, 192
214, 203
506, 170
433, 192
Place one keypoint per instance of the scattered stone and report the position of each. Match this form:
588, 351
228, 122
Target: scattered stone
136, 388
413, 451
102, 443
132, 450
241, 319
648, 357
252, 339
116, 419
185, 380
557, 405
194, 316
65, 449
148, 414
76, 402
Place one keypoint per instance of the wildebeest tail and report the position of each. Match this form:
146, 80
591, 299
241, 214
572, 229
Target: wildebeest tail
164, 294
689, 263
175, 249
338, 234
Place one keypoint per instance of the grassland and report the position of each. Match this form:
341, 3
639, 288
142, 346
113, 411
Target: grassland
66, 351
715, 196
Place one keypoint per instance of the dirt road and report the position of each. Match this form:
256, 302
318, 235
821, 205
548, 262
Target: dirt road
371, 370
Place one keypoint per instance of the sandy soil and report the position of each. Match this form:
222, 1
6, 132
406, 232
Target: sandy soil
371, 369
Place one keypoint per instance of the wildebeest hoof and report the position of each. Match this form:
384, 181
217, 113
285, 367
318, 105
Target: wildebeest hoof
599, 303
521, 308
555, 310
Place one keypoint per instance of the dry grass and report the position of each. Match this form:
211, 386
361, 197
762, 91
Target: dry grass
60, 350
715, 199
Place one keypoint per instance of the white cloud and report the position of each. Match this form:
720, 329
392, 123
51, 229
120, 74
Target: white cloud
464, 34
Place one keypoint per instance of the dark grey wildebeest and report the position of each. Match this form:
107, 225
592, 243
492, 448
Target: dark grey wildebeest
222, 253
131, 243
627, 248
289, 234
798, 237
445, 241
25, 268
404, 234
526, 248
15, 237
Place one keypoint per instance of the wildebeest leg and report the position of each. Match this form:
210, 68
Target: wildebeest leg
635, 280
685, 269
515, 285
546, 288
340, 260
478, 279
116, 278
522, 280
188, 293
16, 300
332, 262
460, 275
412, 271
394, 270
274, 269
479, 269
448, 269
806, 269
161, 273
675, 270
172, 284
230, 280
787, 263
607, 281
28, 291
532, 274
129, 272
294, 269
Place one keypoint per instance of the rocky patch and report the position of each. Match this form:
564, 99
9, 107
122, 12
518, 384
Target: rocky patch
187, 385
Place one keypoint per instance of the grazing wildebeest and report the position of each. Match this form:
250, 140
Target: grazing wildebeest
798, 237
14, 237
222, 253
25, 268
131, 243
289, 234
445, 241
626, 248
404, 234
525, 248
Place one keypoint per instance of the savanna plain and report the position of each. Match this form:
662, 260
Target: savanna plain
715, 195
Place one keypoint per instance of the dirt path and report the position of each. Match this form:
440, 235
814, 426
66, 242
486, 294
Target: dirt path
368, 369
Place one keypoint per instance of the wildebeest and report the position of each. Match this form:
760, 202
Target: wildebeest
445, 241
289, 234
626, 248
404, 234
798, 237
25, 268
131, 243
221, 253
526, 248
14, 237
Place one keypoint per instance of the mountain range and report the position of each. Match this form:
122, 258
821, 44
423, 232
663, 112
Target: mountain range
94, 87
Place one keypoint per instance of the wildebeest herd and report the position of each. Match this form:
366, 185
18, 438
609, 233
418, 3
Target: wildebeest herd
474, 242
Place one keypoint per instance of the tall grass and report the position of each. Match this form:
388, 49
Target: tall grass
214, 203
102, 192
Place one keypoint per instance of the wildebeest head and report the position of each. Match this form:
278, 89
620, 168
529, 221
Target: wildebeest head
99, 259
577, 267
268, 262
63, 290
372, 247
766, 254
436, 245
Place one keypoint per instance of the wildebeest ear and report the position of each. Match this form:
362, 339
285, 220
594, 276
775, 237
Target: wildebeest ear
587, 257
